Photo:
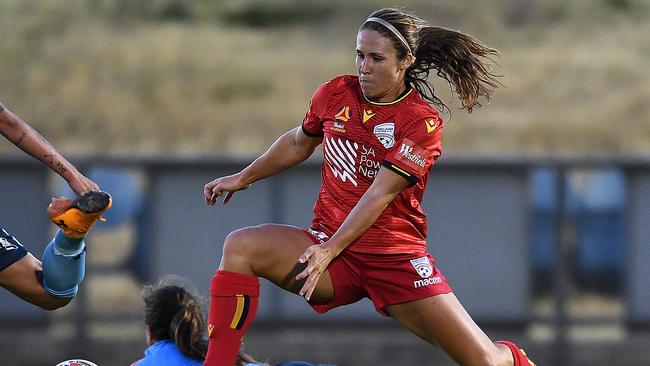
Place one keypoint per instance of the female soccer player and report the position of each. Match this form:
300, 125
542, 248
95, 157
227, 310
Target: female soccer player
53, 283
175, 328
380, 138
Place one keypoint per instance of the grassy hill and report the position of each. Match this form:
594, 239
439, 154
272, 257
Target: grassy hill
227, 77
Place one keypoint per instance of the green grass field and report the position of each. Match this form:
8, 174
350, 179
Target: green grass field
195, 77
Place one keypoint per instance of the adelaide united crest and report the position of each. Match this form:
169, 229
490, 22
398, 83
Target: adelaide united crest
385, 133
422, 266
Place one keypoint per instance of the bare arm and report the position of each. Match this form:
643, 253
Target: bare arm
380, 194
27, 139
287, 151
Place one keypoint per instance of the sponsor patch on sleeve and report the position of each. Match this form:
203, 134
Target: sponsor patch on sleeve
412, 156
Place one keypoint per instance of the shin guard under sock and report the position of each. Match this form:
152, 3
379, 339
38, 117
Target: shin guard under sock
233, 304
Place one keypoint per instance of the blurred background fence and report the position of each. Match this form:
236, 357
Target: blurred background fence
552, 253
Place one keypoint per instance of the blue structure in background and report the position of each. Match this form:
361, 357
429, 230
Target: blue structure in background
595, 202
600, 231
126, 186
543, 197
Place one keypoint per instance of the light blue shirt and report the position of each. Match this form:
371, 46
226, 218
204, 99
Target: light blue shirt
165, 353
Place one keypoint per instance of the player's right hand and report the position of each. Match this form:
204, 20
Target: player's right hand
228, 185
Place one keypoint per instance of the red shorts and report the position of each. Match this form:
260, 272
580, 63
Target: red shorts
386, 279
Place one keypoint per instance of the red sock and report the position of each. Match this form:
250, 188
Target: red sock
518, 354
233, 303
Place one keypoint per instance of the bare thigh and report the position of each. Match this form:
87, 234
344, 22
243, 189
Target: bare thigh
441, 320
24, 279
271, 251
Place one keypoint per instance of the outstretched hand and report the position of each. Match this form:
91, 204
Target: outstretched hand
225, 185
318, 257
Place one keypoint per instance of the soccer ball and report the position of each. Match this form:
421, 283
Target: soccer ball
76, 362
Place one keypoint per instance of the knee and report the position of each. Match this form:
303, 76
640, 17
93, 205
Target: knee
238, 244
242, 250
247, 251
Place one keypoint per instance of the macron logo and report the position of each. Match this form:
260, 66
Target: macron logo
427, 281
406, 151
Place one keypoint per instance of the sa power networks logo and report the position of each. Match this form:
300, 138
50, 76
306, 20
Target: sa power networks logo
348, 160
341, 155
385, 133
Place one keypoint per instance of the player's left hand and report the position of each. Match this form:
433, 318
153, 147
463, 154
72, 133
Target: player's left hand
318, 258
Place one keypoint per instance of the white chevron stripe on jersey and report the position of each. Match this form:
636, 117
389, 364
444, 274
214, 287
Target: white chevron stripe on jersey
345, 150
352, 149
335, 154
340, 160
344, 175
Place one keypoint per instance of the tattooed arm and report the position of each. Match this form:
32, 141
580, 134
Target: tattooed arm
26, 138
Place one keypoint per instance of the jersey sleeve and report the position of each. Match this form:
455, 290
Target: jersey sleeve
417, 149
312, 124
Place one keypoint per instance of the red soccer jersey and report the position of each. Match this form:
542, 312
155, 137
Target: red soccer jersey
360, 136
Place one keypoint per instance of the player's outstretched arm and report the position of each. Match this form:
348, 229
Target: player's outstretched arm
30, 141
287, 151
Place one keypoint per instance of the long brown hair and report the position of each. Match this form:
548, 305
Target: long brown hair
173, 311
462, 60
